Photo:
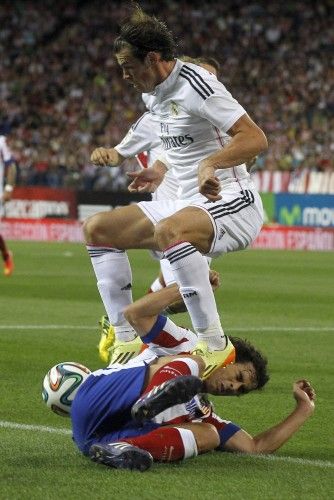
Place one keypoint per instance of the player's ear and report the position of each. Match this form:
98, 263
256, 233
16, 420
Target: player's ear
152, 58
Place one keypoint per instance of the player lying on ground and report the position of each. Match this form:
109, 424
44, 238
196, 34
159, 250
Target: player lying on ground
163, 337
128, 416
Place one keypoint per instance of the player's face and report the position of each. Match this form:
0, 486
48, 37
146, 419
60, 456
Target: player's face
232, 380
138, 73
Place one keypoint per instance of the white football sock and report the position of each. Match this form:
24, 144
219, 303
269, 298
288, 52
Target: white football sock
114, 282
192, 275
167, 272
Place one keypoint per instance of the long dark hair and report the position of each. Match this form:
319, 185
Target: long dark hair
246, 352
143, 34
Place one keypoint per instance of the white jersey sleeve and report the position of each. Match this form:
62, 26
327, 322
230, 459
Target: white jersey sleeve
209, 98
222, 110
142, 136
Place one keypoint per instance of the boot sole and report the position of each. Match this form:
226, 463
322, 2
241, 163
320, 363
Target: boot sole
131, 459
175, 391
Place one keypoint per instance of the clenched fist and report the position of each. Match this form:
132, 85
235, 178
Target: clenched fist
106, 157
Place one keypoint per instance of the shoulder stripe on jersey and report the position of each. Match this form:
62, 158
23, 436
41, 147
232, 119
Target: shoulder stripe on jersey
198, 78
193, 86
196, 81
134, 126
193, 79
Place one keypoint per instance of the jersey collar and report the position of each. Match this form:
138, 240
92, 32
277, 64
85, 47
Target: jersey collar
163, 87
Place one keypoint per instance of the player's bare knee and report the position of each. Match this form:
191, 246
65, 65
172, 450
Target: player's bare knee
166, 232
101, 229
87, 228
93, 229
207, 440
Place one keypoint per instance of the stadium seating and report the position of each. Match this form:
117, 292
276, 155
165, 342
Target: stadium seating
62, 93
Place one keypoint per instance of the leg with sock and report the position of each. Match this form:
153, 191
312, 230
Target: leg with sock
171, 443
192, 274
108, 235
114, 282
175, 235
167, 444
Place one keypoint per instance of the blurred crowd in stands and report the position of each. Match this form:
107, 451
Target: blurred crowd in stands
62, 93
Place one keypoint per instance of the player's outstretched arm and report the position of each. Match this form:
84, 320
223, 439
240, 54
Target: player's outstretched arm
142, 314
106, 157
273, 438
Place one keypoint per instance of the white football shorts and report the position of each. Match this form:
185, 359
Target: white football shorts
236, 219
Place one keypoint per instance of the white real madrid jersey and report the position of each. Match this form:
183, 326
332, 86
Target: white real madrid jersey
194, 112
143, 136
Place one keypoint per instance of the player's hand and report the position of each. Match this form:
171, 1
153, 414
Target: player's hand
144, 181
104, 157
214, 278
305, 395
209, 184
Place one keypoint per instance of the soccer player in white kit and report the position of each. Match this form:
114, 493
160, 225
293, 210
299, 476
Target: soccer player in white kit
225, 212
8, 174
143, 142
142, 137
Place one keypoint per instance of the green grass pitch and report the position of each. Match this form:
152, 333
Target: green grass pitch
281, 301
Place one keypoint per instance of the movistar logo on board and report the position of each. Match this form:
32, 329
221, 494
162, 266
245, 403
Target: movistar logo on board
290, 217
306, 216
